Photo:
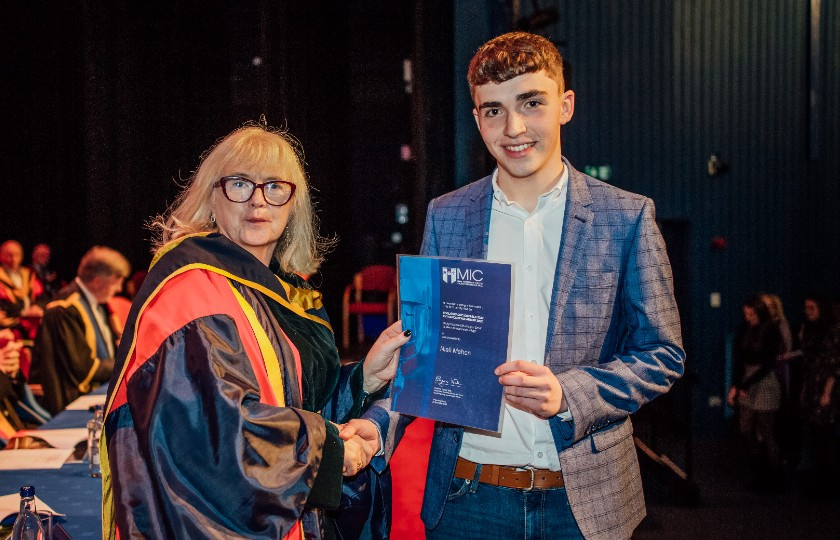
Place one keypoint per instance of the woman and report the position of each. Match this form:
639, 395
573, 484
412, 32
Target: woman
755, 388
820, 338
789, 379
211, 429
777, 314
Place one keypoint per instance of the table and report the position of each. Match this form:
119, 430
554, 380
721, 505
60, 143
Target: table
70, 489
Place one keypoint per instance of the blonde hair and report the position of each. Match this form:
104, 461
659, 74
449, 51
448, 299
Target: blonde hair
252, 147
774, 305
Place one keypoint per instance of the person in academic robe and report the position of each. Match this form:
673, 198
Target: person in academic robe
75, 346
11, 384
215, 420
19, 288
48, 277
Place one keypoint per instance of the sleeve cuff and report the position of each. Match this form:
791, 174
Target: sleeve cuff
361, 399
326, 488
563, 430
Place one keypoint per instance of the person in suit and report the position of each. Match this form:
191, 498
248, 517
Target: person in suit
74, 349
596, 332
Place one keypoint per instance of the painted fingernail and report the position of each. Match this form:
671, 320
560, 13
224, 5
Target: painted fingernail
407, 333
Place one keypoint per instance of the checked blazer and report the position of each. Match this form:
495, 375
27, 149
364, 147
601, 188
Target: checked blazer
613, 341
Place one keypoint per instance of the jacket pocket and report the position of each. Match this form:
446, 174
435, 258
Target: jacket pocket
607, 438
594, 279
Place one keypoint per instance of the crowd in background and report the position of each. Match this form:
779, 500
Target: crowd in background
57, 338
785, 390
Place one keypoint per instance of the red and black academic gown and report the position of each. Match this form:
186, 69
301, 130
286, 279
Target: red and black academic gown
207, 432
15, 299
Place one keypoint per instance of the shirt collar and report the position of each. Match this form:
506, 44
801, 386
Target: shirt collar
88, 295
556, 191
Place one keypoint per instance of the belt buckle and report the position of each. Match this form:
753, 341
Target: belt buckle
531, 470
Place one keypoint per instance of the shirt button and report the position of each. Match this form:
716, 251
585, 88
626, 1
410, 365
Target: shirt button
531, 316
530, 267
539, 454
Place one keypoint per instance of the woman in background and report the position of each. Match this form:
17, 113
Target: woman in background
789, 373
820, 337
756, 391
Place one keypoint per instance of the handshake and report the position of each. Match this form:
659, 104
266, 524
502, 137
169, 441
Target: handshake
361, 437
361, 442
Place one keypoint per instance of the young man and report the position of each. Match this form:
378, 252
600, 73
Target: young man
596, 331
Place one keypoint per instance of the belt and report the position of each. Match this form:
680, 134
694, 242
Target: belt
510, 477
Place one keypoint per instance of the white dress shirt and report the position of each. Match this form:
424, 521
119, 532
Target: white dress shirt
531, 241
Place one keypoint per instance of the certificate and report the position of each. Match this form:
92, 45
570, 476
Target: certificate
458, 311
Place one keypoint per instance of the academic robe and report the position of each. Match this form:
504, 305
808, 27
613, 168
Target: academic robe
14, 299
211, 427
65, 361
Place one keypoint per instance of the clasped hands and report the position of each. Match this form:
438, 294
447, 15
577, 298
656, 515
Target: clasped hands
360, 436
361, 443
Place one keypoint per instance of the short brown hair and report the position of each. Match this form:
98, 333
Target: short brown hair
102, 261
513, 54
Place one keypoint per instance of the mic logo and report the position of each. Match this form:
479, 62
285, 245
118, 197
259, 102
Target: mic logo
463, 276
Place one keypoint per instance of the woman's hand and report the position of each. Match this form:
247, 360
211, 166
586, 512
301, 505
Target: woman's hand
357, 455
825, 398
730, 399
381, 362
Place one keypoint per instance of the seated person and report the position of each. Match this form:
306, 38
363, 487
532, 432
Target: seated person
46, 275
74, 350
19, 287
11, 383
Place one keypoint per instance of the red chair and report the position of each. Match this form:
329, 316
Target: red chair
372, 292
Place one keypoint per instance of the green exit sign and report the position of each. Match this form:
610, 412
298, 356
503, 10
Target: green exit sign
601, 172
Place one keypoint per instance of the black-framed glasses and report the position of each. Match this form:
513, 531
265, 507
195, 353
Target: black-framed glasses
239, 189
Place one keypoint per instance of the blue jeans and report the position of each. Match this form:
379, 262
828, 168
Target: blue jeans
480, 511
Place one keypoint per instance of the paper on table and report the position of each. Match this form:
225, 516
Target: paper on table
57, 438
41, 458
10, 504
83, 403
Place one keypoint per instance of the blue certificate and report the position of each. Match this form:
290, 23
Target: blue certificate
458, 311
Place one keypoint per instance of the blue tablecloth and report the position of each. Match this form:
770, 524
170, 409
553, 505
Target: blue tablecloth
70, 489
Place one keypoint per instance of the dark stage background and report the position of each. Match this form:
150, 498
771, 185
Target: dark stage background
107, 107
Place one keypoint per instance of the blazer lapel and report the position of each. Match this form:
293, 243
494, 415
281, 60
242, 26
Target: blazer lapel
577, 228
477, 220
